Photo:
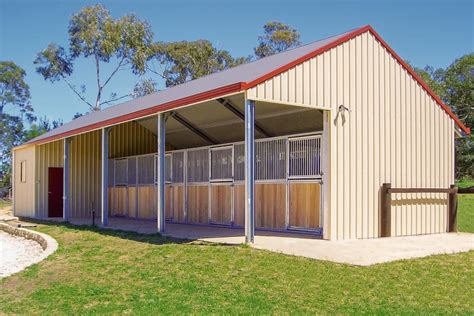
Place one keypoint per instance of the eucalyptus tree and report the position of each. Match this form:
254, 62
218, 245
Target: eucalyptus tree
277, 37
144, 87
14, 91
15, 111
187, 60
124, 43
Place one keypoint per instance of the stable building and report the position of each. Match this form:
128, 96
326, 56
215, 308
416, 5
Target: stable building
339, 137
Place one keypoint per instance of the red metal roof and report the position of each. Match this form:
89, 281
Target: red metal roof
225, 82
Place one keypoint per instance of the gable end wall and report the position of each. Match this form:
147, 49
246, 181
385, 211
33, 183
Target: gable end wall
395, 133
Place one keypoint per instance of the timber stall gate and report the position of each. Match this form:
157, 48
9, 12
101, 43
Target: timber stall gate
205, 185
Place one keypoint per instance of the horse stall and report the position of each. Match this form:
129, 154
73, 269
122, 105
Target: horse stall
205, 185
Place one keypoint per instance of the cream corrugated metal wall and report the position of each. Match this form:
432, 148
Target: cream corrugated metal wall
85, 168
85, 174
24, 195
130, 139
125, 140
394, 133
47, 155
301, 85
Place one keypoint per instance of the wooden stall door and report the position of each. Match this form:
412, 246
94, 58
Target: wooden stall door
168, 203
55, 192
198, 200
147, 202
118, 204
239, 205
305, 205
177, 205
221, 204
270, 201
270, 209
132, 201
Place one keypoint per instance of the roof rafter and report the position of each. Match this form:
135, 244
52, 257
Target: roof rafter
193, 128
231, 107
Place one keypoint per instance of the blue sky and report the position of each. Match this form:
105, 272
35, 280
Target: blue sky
423, 32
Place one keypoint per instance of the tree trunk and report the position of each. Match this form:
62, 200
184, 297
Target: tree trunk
97, 101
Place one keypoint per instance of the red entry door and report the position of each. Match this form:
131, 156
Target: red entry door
55, 192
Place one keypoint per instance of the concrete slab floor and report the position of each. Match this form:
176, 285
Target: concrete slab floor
362, 252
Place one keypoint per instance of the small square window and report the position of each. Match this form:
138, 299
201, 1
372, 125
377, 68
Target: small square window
23, 171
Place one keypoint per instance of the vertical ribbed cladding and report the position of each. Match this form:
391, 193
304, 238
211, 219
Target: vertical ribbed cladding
48, 155
24, 195
130, 139
126, 139
396, 132
85, 174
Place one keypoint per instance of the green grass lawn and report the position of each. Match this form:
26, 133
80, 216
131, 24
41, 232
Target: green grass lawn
466, 208
116, 272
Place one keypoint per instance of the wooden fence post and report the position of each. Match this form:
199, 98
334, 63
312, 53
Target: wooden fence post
453, 209
386, 210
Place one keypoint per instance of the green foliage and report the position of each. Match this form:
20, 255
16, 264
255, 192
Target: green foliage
56, 64
277, 37
144, 87
42, 126
14, 92
15, 109
95, 34
11, 135
434, 78
459, 82
455, 86
465, 183
184, 61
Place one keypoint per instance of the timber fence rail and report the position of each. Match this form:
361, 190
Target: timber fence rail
469, 190
386, 205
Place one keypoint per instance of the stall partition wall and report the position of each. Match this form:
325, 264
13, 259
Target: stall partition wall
206, 185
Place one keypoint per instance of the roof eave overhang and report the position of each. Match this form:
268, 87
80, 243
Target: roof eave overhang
197, 98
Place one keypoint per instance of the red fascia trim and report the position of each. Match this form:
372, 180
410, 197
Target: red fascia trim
211, 94
345, 39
